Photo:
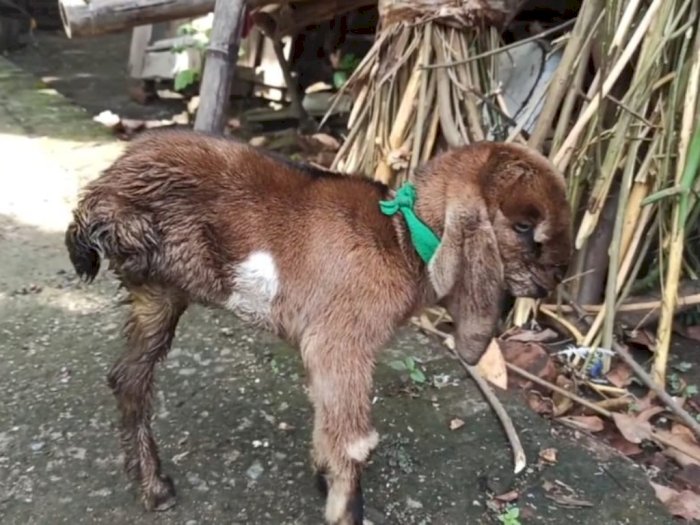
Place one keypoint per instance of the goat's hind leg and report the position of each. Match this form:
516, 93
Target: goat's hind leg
149, 332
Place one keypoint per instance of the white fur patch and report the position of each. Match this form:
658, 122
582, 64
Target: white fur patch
255, 285
360, 448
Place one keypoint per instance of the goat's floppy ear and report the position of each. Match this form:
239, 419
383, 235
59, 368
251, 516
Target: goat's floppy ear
467, 271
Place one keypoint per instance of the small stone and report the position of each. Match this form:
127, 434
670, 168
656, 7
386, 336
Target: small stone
101, 493
77, 452
413, 504
456, 423
190, 522
187, 371
549, 455
37, 446
255, 470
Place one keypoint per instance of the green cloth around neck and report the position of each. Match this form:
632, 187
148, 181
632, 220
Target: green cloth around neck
422, 237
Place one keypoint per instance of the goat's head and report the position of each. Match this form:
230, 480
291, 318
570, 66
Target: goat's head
506, 229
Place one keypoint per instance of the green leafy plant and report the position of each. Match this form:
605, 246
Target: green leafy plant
345, 68
200, 32
410, 365
511, 516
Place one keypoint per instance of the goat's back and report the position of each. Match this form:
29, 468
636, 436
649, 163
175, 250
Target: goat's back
185, 209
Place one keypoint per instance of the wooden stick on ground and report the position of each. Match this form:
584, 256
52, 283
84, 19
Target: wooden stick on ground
221, 56
519, 458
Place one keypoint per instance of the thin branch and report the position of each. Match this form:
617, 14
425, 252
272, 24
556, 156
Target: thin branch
502, 48
658, 390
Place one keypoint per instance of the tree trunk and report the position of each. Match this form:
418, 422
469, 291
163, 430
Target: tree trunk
83, 18
219, 66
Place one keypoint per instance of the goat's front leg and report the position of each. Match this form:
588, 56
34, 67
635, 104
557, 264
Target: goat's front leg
149, 331
340, 383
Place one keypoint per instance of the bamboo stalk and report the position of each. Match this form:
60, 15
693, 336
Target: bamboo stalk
562, 77
561, 158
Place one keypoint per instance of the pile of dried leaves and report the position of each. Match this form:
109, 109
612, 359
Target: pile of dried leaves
594, 392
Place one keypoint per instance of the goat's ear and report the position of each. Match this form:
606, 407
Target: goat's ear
467, 270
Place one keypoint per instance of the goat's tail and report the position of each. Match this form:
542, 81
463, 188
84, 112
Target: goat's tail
83, 251
100, 229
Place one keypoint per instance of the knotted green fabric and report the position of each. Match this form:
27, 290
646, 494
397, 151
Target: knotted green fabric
424, 240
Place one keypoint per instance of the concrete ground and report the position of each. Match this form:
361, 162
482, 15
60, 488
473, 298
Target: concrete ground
231, 418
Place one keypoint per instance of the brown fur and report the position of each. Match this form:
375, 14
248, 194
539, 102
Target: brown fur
178, 212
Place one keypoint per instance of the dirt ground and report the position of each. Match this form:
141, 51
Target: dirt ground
232, 418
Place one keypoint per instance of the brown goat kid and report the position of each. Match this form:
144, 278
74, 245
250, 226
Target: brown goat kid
185, 218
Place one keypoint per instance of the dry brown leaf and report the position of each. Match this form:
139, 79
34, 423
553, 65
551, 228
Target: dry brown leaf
539, 403
681, 430
589, 423
643, 338
648, 413
531, 336
631, 429
624, 447
456, 423
679, 442
621, 375
492, 366
508, 496
328, 142
562, 403
549, 455
684, 504
531, 357
683, 460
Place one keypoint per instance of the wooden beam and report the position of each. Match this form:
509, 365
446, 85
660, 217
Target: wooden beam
83, 18
219, 66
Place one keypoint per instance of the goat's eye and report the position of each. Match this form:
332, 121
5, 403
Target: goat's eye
522, 227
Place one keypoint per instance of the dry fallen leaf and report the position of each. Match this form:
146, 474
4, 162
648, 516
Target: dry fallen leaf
681, 444
589, 423
562, 403
549, 455
621, 375
492, 366
531, 357
632, 430
328, 142
685, 504
528, 336
539, 403
681, 430
623, 446
456, 423
643, 338
508, 496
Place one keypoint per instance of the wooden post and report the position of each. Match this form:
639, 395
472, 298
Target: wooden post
219, 66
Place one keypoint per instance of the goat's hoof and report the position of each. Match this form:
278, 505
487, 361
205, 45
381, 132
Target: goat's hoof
159, 495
